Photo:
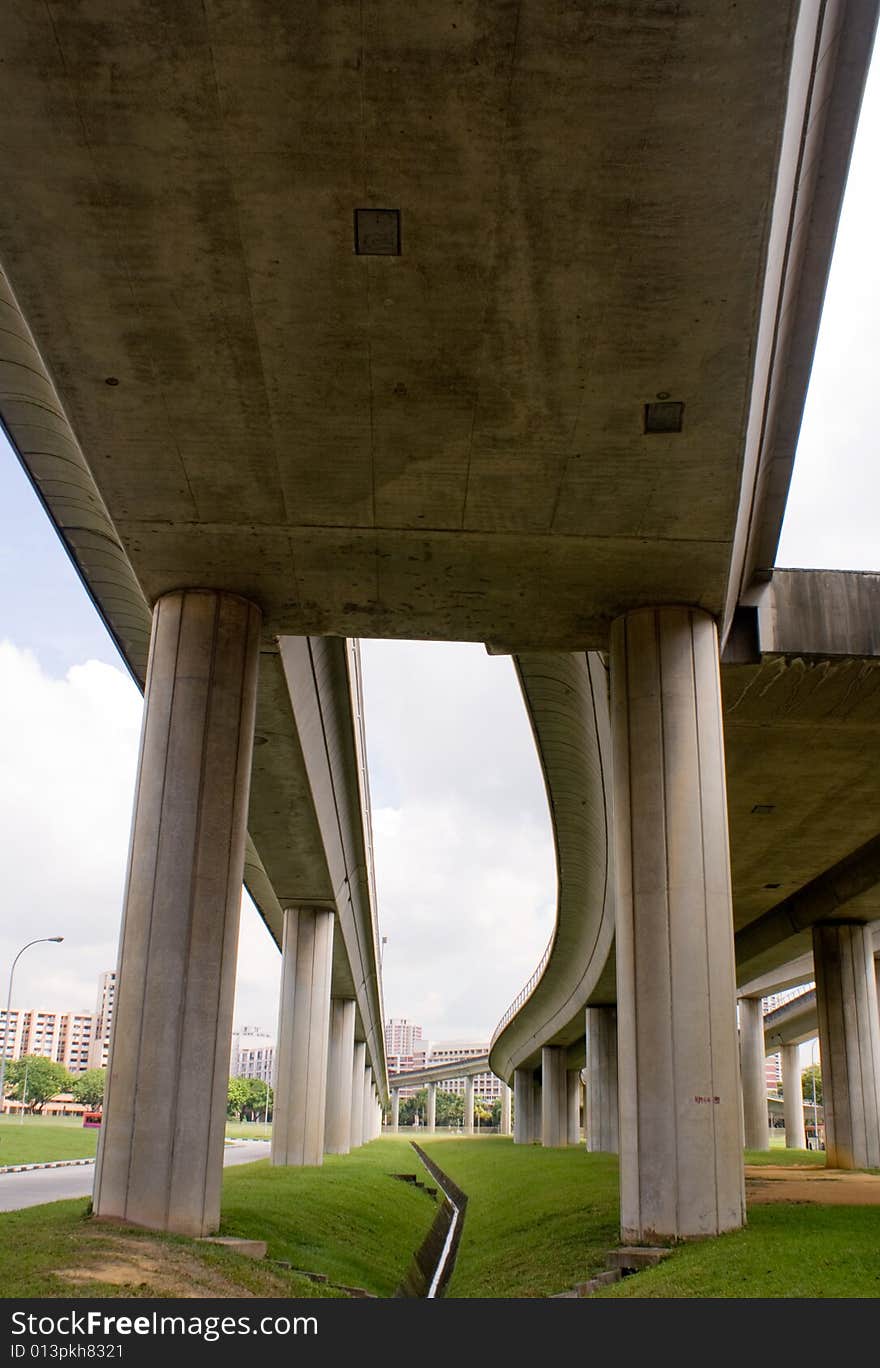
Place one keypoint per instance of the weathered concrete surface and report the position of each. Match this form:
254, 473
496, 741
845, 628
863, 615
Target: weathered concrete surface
526, 1121
303, 1037
468, 1124
573, 1093
849, 1043
792, 1093
337, 1118
487, 429
160, 1152
756, 1125
357, 1094
600, 1078
554, 1098
679, 1090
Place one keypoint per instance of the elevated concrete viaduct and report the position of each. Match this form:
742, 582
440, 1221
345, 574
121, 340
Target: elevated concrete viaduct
486, 323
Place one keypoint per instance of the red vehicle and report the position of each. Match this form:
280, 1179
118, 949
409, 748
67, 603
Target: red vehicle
92, 1119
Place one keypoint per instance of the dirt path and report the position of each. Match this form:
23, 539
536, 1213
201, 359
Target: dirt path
830, 1187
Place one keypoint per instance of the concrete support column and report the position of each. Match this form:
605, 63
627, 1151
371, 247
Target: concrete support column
303, 1037
573, 1106
681, 1172
525, 1120
395, 1109
554, 1099
756, 1124
431, 1118
367, 1104
792, 1098
160, 1154
505, 1109
359, 1056
849, 1043
600, 1099
468, 1106
337, 1129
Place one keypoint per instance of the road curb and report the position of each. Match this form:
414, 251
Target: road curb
57, 1163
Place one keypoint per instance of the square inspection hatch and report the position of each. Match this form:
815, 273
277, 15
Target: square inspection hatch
377, 232
666, 416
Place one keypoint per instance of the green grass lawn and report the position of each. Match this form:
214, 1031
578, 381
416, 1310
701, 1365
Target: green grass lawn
58, 1251
787, 1250
248, 1130
538, 1221
348, 1219
37, 1140
783, 1157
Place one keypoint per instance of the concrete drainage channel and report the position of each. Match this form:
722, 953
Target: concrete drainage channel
429, 1273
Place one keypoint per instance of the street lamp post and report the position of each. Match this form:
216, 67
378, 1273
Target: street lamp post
38, 941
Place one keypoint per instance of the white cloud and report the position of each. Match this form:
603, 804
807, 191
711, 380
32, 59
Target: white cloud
68, 752
464, 854
68, 755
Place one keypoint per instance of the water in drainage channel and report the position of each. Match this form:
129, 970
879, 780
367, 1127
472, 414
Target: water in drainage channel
429, 1273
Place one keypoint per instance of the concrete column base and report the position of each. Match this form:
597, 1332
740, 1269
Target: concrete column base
526, 1117
505, 1127
303, 1038
359, 1055
681, 1172
756, 1121
468, 1125
160, 1153
554, 1098
849, 1043
793, 1100
600, 1074
337, 1128
574, 1089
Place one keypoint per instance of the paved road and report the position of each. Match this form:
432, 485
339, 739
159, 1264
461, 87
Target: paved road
37, 1186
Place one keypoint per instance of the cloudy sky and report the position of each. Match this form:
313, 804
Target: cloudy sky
463, 845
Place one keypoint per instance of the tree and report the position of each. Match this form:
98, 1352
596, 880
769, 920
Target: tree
257, 1099
495, 1113
807, 1083
410, 1105
450, 1109
236, 1096
42, 1077
88, 1088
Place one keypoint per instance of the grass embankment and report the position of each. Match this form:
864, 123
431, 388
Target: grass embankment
59, 1251
349, 1220
787, 1250
38, 1140
538, 1221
